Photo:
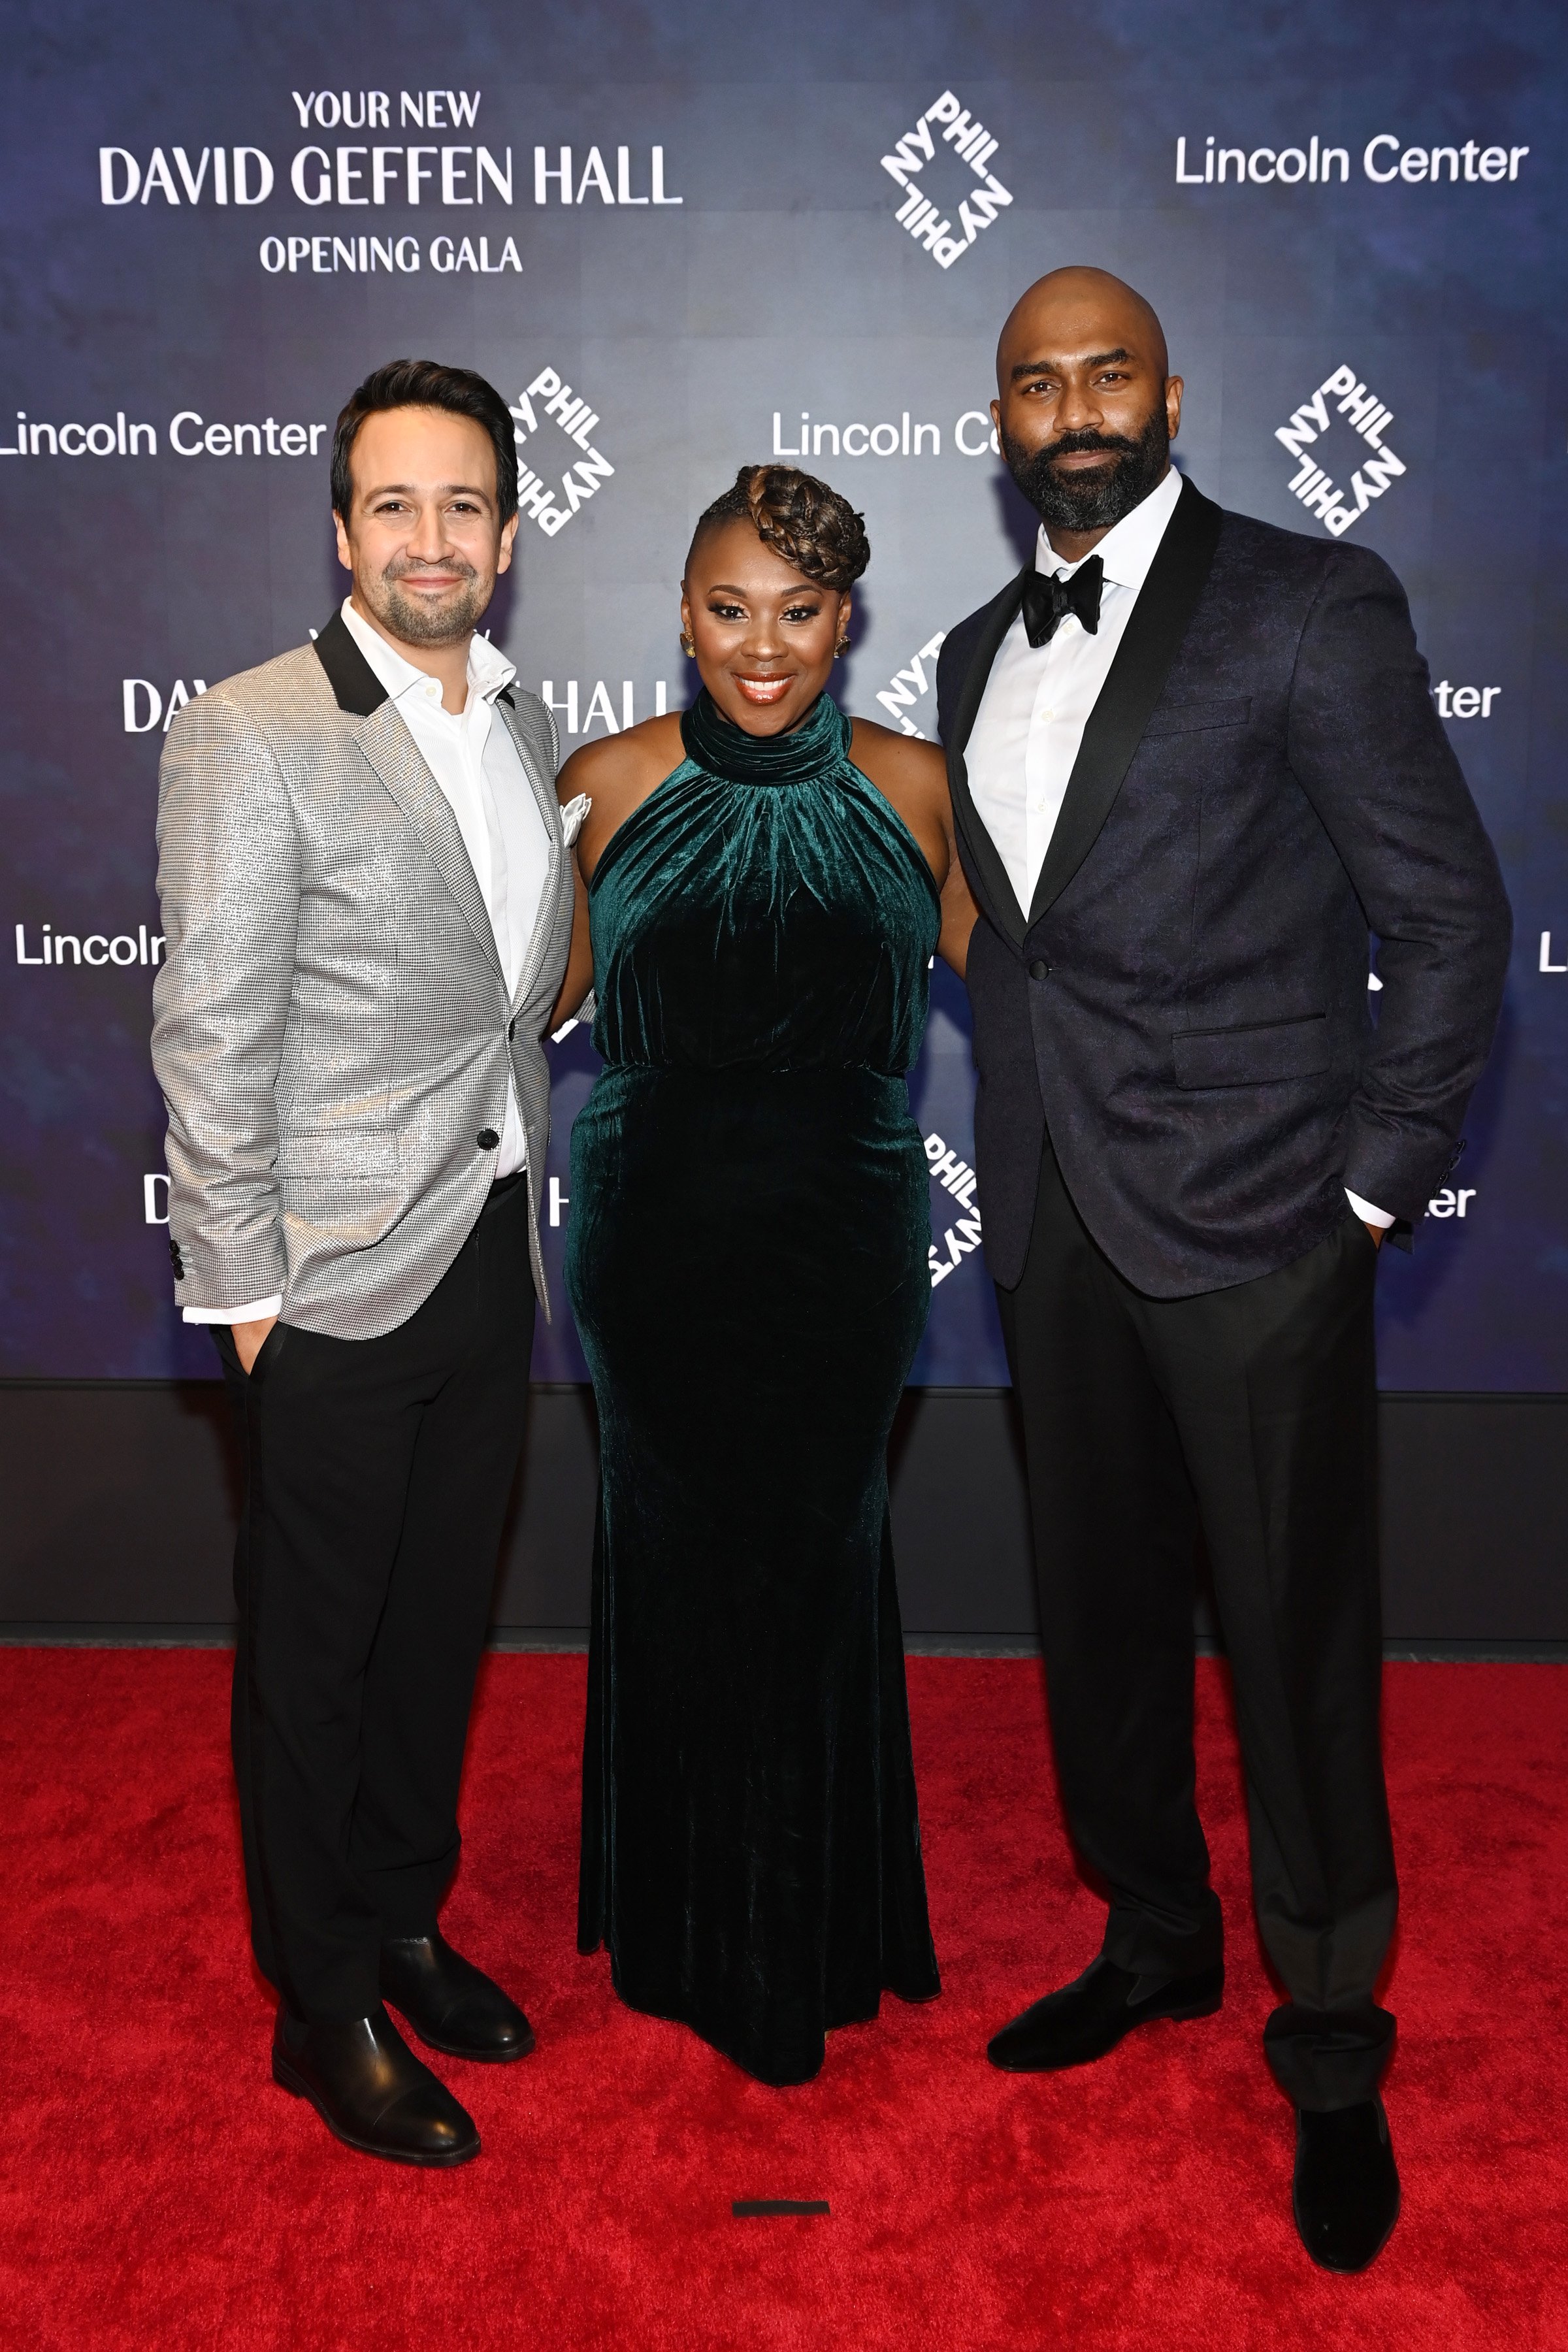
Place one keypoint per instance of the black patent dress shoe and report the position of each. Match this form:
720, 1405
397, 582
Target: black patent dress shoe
371, 2091
451, 2004
1347, 2184
1096, 2012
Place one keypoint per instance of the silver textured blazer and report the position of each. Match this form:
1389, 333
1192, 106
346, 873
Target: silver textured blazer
331, 1027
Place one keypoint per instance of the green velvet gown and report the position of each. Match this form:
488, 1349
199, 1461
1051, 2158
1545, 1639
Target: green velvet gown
747, 1263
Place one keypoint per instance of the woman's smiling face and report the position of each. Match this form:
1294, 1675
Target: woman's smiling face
765, 636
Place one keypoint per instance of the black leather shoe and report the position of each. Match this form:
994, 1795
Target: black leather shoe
1347, 2184
1096, 2012
369, 2088
451, 2004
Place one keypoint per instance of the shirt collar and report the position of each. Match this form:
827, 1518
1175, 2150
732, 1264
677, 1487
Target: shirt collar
1129, 547
488, 669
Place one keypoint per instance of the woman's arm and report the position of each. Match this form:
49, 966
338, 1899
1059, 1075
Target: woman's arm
912, 774
959, 911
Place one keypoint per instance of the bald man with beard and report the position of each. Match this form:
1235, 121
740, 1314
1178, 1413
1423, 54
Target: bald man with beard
1194, 769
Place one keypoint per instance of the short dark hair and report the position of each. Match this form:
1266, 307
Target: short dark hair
426, 383
812, 526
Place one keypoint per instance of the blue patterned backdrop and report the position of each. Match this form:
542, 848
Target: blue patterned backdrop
678, 240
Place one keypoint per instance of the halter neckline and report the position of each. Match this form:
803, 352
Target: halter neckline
820, 742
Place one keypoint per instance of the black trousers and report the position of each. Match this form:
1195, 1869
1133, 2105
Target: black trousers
1252, 1412
376, 1474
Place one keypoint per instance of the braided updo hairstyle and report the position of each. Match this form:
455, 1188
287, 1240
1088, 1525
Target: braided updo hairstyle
810, 526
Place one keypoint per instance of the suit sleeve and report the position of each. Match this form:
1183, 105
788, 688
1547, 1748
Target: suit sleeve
1370, 752
229, 882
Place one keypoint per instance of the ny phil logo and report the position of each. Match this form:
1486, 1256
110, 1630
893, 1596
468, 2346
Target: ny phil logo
1312, 483
962, 1236
911, 685
978, 208
571, 415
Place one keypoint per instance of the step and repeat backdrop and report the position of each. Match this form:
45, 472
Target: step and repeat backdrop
676, 242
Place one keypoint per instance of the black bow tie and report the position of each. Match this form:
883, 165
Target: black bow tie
1048, 601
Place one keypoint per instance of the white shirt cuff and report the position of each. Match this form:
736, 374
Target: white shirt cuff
254, 1313
1366, 1212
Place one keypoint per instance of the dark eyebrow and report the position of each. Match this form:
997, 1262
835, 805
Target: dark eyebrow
443, 490
1052, 367
724, 588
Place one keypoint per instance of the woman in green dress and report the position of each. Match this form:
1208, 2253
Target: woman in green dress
762, 886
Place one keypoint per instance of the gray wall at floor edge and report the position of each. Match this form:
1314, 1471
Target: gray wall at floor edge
121, 1504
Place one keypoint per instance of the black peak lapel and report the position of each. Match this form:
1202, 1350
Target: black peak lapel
996, 620
1003, 900
355, 684
1150, 643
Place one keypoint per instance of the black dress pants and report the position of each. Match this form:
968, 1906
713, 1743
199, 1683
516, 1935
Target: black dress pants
1251, 1411
376, 1475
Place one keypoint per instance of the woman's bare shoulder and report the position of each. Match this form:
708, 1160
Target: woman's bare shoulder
626, 765
898, 763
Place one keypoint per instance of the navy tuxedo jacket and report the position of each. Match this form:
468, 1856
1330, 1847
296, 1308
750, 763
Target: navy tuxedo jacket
1183, 1009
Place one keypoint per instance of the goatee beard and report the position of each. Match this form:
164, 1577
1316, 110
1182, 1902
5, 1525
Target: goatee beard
1101, 495
419, 623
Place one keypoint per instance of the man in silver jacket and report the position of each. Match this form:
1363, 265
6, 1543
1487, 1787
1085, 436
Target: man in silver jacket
367, 899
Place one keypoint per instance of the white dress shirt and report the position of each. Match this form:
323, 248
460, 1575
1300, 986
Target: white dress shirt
476, 763
1037, 701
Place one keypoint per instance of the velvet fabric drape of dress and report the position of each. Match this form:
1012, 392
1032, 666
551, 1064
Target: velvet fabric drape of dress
747, 1262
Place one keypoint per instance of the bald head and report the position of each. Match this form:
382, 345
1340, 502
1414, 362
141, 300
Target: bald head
1085, 407
1083, 310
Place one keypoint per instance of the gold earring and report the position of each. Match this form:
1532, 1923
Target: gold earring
687, 646
841, 647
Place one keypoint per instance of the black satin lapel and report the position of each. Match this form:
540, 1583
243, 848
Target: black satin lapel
1000, 615
355, 684
1001, 898
998, 899
1150, 643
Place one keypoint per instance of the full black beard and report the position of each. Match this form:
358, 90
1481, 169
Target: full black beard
1095, 499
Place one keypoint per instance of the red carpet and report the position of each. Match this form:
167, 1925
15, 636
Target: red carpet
158, 2192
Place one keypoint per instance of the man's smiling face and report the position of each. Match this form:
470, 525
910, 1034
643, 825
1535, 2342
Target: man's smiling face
423, 538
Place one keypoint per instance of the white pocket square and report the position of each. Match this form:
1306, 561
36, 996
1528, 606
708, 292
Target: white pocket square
573, 816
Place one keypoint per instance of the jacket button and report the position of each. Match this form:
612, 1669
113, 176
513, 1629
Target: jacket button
511, 1028
1038, 971
487, 1139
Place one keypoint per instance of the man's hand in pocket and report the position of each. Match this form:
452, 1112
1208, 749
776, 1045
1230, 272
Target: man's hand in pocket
248, 1339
